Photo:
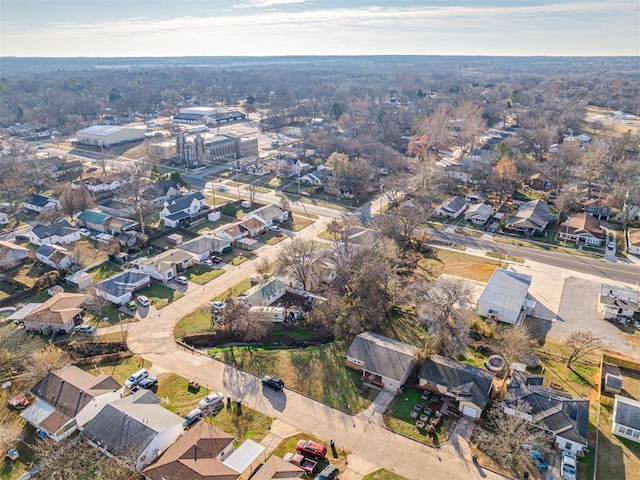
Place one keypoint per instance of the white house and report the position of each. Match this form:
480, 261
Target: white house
204, 245
67, 399
505, 298
119, 289
633, 241
39, 203
478, 213
54, 256
452, 207
12, 255
270, 214
383, 362
59, 314
582, 228
626, 418
182, 208
134, 428
617, 302
166, 265
99, 184
59, 232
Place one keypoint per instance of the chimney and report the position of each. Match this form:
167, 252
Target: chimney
195, 452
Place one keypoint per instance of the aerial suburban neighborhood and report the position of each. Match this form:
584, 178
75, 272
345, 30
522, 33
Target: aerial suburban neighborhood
369, 271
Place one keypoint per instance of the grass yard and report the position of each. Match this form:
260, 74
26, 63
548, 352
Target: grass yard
338, 457
113, 316
234, 291
318, 372
397, 418
8, 288
237, 256
617, 457
273, 238
113, 337
120, 369
383, 474
11, 422
299, 222
502, 257
201, 275
104, 271
460, 264
176, 395
469, 232
27, 275
206, 226
89, 252
159, 295
198, 321
243, 423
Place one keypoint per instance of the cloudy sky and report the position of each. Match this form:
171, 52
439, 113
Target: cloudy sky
103, 28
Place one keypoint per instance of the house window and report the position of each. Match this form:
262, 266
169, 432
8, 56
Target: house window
568, 446
629, 431
636, 434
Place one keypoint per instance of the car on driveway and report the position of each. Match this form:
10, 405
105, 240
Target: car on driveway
217, 305
538, 460
213, 401
568, 466
85, 232
215, 259
131, 305
84, 330
273, 382
208, 263
182, 280
192, 417
275, 228
143, 301
147, 384
611, 245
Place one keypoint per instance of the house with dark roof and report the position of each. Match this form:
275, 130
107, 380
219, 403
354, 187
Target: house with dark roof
59, 232
60, 313
157, 193
67, 399
467, 387
539, 181
582, 228
39, 203
559, 413
601, 213
506, 297
452, 207
134, 429
532, 217
626, 418
382, 361
55, 256
119, 289
182, 209
197, 455
276, 468
12, 255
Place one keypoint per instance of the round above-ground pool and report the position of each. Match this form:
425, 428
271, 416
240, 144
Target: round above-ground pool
495, 363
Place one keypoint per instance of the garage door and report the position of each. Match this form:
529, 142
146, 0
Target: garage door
469, 412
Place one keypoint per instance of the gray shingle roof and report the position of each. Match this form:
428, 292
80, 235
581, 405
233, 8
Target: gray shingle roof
627, 412
122, 283
506, 288
382, 355
37, 200
183, 202
59, 228
461, 380
534, 214
453, 203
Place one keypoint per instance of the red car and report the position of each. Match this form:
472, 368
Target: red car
311, 449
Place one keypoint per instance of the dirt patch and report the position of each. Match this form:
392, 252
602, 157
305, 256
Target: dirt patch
82, 350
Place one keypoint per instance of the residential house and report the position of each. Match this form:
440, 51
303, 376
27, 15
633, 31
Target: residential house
203, 246
118, 208
104, 222
12, 255
108, 183
617, 302
475, 197
119, 289
59, 232
466, 387
452, 207
277, 468
626, 418
384, 362
505, 298
182, 208
59, 314
478, 213
159, 192
532, 217
601, 213
233, 232
5, 213
265, 293
67, 399
254, 225
539, 181
317, 178
198, 455
134, 429
633, 241
582, 228
55, 256
39, 203
270, 214
79, 280
559, 413
166, 265
290, 166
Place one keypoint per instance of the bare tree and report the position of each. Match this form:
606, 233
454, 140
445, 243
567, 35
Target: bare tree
514, 344
139, 173
45, 360
400, 223
297, 259
506, 173
263, 266
73, 201
16, 348
96, 305
502, 436
581, 343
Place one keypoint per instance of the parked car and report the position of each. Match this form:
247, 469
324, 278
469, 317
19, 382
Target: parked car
192, 417
211, 402
611, 245
131, 305
272, 382
274, 228
143, 301
84, 330
217, 305
568, 466
147, 384
301, 461
208, 263
329, 473
85, 232
311, 449
539, 461
136, 378
182, 280
215, 259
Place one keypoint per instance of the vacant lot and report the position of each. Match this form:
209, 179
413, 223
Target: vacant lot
459, 264
200, 274
27, 274
243, 423
104, 271
120, 369
160, 295
176, 395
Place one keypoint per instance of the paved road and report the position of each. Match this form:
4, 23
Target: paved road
615, 272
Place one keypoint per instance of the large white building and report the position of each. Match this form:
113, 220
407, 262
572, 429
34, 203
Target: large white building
505, 298
108, 135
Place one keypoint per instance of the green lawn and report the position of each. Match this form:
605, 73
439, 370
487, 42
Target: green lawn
237, 256
159, 295
201, 275
234, 291
120, 369
315, 371
8, 288
104, 271
289, 445
397, 417
243, 423
176, 395
383, 474
299, 222
114, 316
207, 226
198, 321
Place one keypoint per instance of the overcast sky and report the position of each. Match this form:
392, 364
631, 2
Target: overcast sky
105, 28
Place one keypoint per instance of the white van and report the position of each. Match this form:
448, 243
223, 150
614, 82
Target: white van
136, 378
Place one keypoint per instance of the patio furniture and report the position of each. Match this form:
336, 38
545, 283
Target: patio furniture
438, 414
413, 414
417, 407
435, 421
424, 418
427, 411
419, 424
425, 396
